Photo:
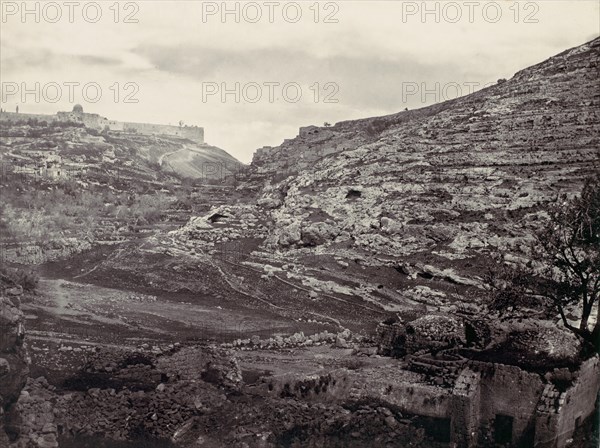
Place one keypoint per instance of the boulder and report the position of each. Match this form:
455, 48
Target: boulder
14, 364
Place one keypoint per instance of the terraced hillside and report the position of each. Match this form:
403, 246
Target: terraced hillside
449, 182
405, 209
64, 186
401, 216
333, 298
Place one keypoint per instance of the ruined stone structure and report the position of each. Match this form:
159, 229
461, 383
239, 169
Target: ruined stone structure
479, 403
95, 121
510, 405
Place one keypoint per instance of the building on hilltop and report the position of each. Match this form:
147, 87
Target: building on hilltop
95, 121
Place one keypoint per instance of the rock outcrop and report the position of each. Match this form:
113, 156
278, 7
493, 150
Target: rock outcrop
445, 185
445, 178
14, 360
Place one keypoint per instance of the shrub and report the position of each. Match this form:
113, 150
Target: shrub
352, 363
27, 279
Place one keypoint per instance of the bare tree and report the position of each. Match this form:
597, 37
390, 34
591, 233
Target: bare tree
570, 246
564, 273
513, 290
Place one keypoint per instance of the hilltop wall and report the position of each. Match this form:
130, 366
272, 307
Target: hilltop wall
193, 133
95, 121
12, 117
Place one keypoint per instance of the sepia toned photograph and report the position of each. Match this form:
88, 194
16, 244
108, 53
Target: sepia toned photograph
300, 224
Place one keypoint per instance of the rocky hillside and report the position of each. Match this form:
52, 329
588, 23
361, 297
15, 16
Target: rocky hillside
71, 150
518, 114
401, 213
447, 182
64, 186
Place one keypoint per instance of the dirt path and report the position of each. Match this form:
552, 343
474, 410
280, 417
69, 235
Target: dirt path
47, 337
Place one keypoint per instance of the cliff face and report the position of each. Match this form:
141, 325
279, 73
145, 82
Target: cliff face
449, 181
14, 360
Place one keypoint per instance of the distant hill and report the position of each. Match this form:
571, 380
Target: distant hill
65, 186
200, 161
84, 149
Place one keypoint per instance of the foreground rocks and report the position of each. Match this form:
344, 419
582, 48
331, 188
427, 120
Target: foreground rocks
125, 396
14, 359
194, 396
342, 339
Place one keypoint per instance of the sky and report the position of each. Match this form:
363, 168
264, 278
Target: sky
252, 73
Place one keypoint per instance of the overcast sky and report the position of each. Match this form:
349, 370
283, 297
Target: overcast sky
361, 58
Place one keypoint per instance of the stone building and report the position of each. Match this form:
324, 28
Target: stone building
479, 403
95, 121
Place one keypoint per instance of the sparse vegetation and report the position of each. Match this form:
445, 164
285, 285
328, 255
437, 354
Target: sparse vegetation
26, 278
564, 275
570, 249
28, 214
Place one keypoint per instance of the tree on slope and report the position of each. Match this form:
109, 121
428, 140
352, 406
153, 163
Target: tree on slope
565, 268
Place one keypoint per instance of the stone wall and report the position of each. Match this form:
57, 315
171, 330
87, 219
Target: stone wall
33, 253
391, 339
37, 423
560, 413
466, 401
421, 399
306, 387
433, 332
542, 415
191, 132
509, 391
98, 122
13, 117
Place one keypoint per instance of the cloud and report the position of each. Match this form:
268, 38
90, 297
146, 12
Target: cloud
36, 58
102, 61
364, 80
